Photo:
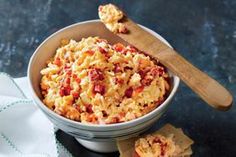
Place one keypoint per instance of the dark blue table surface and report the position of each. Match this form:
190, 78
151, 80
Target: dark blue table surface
203, 31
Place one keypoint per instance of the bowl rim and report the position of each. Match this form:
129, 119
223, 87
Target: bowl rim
136, 121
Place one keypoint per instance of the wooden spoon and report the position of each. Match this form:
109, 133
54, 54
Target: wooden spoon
206, 87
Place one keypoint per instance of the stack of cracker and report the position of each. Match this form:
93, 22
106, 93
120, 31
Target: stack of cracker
127, 147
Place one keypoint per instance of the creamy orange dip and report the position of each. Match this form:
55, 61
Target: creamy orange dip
110, 15
156, 146
91, 81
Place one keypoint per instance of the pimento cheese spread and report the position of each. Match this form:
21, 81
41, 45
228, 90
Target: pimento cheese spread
91, 81
110, 15
156, 146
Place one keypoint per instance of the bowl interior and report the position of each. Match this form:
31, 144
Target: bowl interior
48, 48
77, 31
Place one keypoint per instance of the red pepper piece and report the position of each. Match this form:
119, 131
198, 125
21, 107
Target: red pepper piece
117, 68
68, 72
67, 91
89, 108
98, 88
157, 71
146, 81
142, 73
118, 47
57, 61
96, 75
119, 81
78, 80
89, 52
64, 91
75, 94
157, 140
129, 92
74, 76
102, 50
61, 92
67, 80
139, 89
163, 148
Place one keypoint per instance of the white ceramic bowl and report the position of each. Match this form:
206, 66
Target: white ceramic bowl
100, 138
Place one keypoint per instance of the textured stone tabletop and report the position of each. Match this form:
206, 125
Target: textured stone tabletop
203, 31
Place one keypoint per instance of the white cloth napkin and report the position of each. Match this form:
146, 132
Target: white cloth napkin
24, 129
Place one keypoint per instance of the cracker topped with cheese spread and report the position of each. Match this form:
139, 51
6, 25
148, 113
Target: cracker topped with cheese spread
166, 142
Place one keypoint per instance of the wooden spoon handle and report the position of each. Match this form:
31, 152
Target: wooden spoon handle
206, 87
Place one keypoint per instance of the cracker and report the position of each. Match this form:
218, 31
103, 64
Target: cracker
186, 152
126, 147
